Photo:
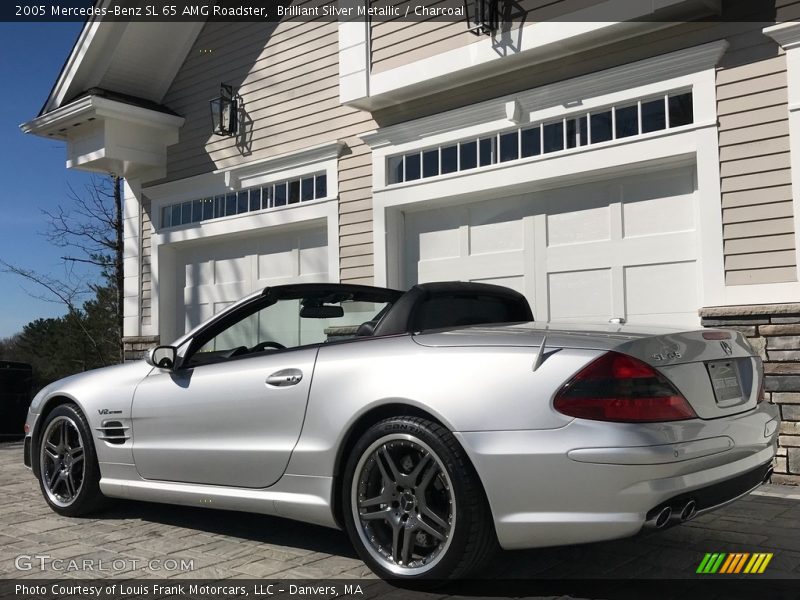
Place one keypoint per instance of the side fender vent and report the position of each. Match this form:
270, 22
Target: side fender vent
114, 432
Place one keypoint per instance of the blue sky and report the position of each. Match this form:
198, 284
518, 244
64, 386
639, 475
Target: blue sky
32, 169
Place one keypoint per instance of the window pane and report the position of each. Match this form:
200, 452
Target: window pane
230, 204
294, 191
554, 137
241, 202
280, 194
186, 213
266, 196
395, 166
255, 199
583, 130
176, 215
576, 132
412, 167
197, 211
469, 155
321, 186
487, 152
219, 206
627, 121
430, 163
601, 127
654, 117
208, 209
531, 142
166, 216
449, 159
509, 146
681, 111
307, 189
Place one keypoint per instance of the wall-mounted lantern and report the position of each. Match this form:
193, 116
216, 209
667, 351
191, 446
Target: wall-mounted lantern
482, 16
225, 112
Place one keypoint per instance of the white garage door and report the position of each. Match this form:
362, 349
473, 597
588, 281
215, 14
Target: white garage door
626, 248
213, 275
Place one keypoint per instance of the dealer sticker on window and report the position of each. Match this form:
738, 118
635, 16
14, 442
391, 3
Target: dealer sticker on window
725, 381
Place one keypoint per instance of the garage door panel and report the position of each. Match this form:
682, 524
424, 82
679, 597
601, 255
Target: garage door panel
661, 215
197, 272
313, 249
581, 226
664, 184
580, 295
495, 237
232, 270
645, 250
661, 289
590, 252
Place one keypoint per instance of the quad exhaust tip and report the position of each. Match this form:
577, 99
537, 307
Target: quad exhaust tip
688, 511
660, 519
767, 475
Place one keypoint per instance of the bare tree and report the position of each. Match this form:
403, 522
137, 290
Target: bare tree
93, 231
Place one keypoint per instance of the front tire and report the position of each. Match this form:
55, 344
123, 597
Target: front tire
69, 475
413, 505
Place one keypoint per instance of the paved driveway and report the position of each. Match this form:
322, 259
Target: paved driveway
149, 540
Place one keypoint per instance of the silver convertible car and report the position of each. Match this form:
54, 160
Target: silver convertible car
433, 425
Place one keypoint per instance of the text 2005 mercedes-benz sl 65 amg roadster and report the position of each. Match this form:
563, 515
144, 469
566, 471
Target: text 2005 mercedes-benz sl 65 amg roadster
432, 425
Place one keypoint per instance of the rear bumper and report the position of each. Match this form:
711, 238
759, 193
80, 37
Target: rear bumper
540, 496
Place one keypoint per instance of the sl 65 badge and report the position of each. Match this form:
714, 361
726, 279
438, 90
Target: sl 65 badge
666, 356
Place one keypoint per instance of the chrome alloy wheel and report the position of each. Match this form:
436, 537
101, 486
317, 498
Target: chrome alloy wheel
61, 461
403, 504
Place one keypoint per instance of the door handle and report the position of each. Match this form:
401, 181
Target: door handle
285, 377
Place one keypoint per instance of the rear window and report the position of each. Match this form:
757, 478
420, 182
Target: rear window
441, 312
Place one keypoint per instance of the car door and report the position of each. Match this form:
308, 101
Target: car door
231, 416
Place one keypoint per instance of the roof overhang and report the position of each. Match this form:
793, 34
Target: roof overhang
106, 135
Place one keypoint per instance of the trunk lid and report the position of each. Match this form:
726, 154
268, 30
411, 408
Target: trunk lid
716, 370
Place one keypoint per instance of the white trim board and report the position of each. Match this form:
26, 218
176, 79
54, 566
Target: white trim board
638, 79
509, 50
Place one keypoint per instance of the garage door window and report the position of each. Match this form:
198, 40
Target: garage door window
623, 121
273, 195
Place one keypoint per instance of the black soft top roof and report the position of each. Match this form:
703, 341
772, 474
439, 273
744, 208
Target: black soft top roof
407, 314
332, 292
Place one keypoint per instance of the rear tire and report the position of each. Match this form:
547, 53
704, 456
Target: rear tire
69, 475
413, 505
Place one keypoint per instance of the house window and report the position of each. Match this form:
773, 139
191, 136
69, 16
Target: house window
623, 121
311, 187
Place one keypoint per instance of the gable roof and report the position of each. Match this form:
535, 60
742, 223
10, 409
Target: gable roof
137, 60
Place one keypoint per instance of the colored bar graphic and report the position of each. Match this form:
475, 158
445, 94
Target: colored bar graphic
740, 564
768, 557
728, 563
734, 563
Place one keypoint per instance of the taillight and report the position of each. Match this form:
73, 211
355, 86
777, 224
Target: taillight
617, 387
762, 394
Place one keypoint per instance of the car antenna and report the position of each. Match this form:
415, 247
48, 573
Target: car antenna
540, 356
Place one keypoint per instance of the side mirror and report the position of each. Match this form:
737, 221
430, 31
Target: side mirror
163, 357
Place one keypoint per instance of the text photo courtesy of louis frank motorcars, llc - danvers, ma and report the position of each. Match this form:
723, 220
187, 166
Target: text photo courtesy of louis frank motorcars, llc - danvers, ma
404, 299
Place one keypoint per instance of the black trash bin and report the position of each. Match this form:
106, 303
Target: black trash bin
15, 397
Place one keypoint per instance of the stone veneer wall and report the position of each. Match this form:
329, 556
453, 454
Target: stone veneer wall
135, 347
774, 332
